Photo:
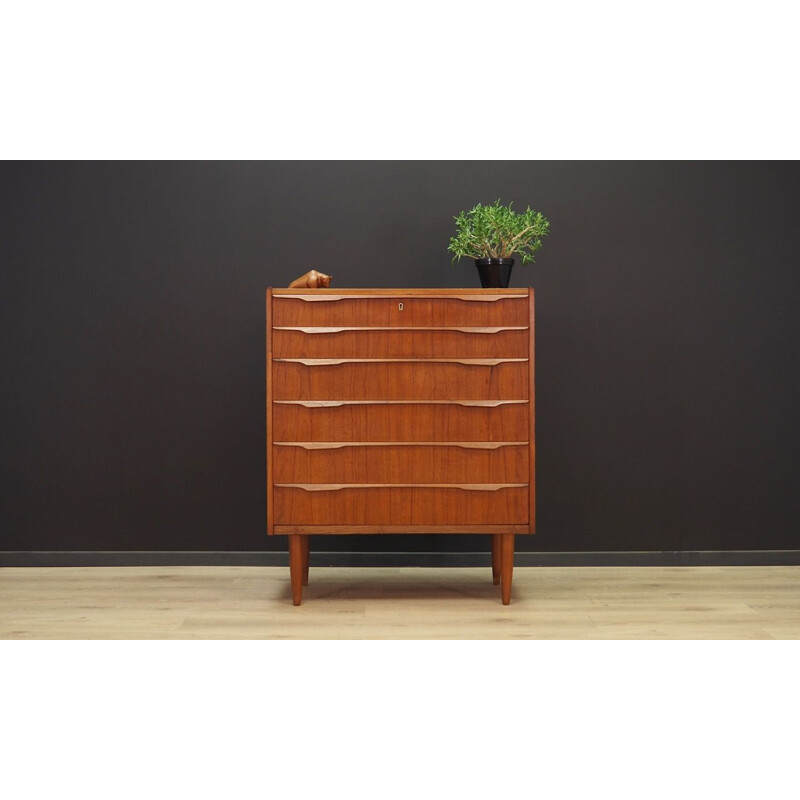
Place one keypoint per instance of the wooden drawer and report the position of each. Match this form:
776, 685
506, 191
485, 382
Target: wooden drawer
400, 506
392, 463
399, 380
333, 342
305, 421
327, 308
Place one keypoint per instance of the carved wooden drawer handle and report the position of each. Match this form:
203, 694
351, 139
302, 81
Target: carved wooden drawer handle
318, 329
337, 403
332, 362
338, 445
335, 487
324, 297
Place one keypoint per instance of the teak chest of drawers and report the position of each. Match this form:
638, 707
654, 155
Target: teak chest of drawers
400, 411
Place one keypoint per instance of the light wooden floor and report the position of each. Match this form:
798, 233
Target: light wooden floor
392, 603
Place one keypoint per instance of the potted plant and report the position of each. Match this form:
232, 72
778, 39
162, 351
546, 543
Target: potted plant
492, 234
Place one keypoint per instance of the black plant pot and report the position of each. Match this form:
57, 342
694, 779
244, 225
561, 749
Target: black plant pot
494, 272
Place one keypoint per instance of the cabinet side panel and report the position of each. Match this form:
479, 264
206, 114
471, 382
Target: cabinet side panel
532, 412
270, 481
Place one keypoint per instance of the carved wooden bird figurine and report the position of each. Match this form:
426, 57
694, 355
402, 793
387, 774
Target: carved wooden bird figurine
311, 280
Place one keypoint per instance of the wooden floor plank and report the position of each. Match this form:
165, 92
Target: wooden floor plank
400, 603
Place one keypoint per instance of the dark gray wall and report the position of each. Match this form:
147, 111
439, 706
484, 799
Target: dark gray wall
132, 349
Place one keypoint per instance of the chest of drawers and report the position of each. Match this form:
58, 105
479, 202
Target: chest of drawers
400, 411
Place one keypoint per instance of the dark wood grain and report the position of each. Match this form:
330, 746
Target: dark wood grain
507, 566
401, 422
497, 542
417, 311
479, 295
399, 464
401, 411
296, 569
400, 381
532, 413
270, 422
401, 343
338, 530
401, 506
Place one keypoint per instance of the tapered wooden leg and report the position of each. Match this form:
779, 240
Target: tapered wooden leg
306, 552
496, 559
296, 567
507, 566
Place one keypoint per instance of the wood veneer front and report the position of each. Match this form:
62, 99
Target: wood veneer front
421, 308
396, 342
400, 422
400, 411
372, 505
380, 462
399, 380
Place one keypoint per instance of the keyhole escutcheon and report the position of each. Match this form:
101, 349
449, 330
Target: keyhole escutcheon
400, 306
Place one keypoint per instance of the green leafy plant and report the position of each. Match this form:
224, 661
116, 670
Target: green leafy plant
496, 231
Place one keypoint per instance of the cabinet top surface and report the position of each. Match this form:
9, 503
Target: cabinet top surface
401, 292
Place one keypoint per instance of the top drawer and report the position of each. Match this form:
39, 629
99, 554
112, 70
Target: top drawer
324, 310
